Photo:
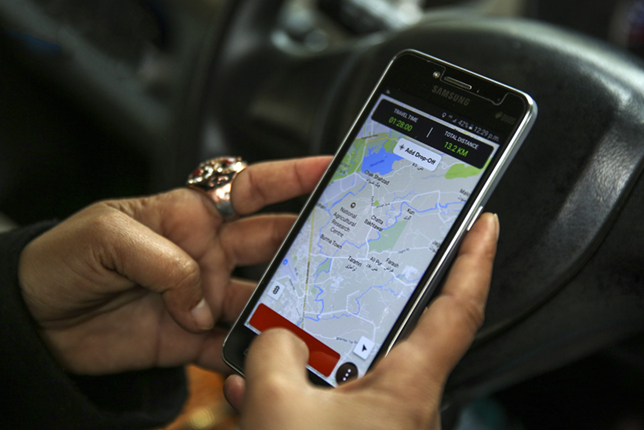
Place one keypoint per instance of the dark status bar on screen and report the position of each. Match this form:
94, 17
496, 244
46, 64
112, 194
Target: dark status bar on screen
433, 134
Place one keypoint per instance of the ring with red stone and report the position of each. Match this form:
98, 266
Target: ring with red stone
215, 178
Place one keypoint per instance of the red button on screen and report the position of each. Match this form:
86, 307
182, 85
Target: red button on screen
321, 357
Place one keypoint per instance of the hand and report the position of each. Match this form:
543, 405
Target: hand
139, 283
403, 391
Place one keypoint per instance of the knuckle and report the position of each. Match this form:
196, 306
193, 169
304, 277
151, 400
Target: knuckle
229, 254
300, 176
469, 312
279, 230
254, 184
104, 233
275, 387
186, 274
103, 223
462, 311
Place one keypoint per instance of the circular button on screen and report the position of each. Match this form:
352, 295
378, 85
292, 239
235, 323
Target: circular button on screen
345, 373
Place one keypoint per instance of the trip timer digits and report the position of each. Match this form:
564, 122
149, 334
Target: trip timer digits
401, 124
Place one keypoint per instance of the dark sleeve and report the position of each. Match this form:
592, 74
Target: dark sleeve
38, 394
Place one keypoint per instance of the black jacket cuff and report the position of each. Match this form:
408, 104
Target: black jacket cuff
39, 394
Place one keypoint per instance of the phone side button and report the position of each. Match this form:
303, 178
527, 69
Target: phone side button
478, 212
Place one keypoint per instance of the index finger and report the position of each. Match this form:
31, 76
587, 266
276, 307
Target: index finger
446, 329
275, 181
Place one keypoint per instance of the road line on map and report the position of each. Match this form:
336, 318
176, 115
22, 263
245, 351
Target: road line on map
308, 266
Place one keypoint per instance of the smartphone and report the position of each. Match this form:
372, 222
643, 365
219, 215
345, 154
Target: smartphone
378, 234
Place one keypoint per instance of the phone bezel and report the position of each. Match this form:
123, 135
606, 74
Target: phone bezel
415, 75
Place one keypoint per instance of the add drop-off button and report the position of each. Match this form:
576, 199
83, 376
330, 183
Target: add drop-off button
419, 154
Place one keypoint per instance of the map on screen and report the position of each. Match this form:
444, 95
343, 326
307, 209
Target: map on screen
374, 230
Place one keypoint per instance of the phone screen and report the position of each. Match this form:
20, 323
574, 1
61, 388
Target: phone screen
374, 231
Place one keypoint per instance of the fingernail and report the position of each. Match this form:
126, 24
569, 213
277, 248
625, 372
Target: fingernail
202, 316
498, 226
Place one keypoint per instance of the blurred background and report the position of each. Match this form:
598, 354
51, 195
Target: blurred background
114, 98
103, 99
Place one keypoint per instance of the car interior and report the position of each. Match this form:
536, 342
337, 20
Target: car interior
115, 98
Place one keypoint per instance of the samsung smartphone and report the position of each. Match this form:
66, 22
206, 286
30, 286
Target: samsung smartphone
379, 232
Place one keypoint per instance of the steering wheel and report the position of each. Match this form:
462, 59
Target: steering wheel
568, 276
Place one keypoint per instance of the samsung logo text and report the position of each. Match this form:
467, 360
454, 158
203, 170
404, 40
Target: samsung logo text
450, 95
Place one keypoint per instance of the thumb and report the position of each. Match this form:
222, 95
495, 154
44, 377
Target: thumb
275, 354
276, 363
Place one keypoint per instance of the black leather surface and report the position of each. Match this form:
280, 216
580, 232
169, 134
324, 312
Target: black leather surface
602, 305
572, 175
560, 197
